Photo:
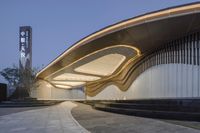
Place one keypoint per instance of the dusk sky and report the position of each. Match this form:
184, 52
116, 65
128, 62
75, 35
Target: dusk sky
58, 24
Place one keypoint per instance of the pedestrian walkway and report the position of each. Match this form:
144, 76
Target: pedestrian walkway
105, 122
53, 119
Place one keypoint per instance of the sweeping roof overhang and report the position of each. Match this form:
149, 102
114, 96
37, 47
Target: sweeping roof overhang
142, 33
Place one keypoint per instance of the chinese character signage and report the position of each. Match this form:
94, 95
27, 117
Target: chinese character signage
25, 47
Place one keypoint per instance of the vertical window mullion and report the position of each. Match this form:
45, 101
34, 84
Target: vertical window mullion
170, 53
187, 51
195, 48
190, 49
198, 41
184, 50
181, 50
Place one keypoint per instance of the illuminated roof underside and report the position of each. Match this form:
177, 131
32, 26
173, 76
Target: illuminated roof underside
103, 66
68, 83
63, 86
100, 60
76, 77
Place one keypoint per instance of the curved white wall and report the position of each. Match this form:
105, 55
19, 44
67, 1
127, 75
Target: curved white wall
48, 92
161, 81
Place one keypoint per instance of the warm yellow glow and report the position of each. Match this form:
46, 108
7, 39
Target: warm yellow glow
48, 85
76, 77
63, 86
103, 66
69, 83
131, 22
124, 67
190, 7
138, 53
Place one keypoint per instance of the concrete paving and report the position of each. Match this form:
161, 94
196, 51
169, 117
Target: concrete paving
58, 119
53, 119
10, 110
104, 122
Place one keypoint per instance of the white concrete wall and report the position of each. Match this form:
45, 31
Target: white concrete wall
48, 92
162, 81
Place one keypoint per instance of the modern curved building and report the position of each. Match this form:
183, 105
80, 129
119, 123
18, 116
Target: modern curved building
152, 56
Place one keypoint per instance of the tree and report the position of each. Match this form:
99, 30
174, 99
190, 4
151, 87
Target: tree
11, 75
22, 79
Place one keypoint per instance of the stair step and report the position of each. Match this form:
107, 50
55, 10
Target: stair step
153, 113
183, 109
152, 107
163, 102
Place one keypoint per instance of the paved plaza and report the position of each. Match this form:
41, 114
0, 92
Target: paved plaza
104, 122
52, 119
60, 119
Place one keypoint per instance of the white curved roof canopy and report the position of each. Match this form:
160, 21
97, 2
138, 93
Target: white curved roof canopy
103, 66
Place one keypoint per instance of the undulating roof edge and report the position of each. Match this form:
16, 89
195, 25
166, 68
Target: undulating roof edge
109, 26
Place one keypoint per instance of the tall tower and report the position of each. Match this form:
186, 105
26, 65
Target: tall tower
25, 47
